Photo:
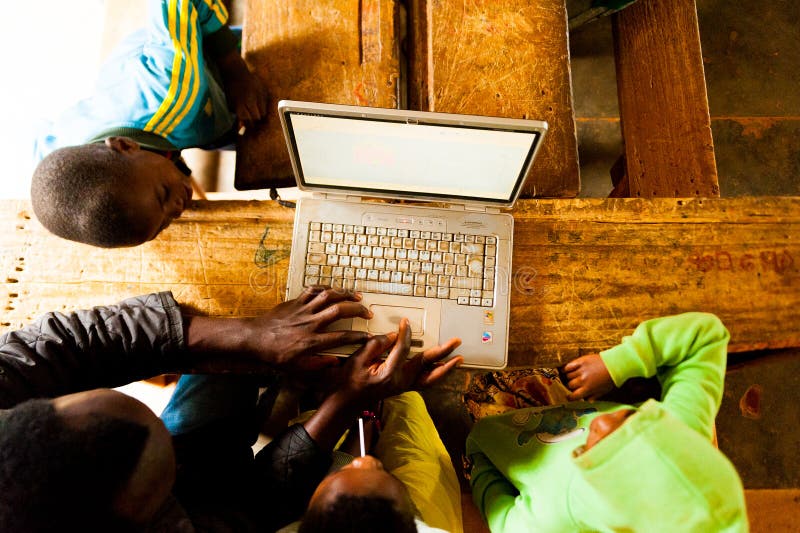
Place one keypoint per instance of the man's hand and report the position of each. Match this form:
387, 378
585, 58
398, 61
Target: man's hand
288, 336
370, 378
588, 378
245, 93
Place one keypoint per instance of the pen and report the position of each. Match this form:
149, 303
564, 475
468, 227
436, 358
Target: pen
361, 435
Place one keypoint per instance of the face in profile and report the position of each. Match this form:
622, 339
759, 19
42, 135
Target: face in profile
603, 425
157, 192
363, 477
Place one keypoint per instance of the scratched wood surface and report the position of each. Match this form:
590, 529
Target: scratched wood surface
503, 59
585, 272
663, 104
333, 51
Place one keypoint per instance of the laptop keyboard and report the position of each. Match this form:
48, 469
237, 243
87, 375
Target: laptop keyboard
430, 264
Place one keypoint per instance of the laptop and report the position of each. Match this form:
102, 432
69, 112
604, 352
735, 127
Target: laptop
405, 208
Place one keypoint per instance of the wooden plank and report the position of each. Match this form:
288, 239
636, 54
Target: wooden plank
333, 51
662, 98
773, 511
504, 59
585, 272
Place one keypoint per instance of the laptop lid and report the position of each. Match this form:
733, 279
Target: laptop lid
415, 155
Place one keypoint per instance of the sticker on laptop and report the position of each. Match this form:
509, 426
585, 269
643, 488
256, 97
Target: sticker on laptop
488, 318
486, 337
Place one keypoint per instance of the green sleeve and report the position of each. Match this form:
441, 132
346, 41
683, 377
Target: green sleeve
493, 494
687, 353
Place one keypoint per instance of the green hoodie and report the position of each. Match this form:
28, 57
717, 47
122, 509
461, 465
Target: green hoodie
657, 472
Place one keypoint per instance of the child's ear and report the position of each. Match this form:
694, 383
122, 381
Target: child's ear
122, 144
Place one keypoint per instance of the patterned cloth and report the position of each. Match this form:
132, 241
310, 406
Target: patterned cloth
498, 392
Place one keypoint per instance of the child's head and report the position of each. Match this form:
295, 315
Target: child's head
92, 461
362, 496
655, 473
108, 194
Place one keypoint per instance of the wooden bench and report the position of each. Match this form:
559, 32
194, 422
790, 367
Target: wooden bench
585, 272
666, 128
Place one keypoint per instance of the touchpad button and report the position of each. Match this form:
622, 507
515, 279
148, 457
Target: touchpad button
386, 318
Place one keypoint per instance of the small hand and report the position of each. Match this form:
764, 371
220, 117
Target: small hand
291, 334
588, 378
245, 93
370, 378
247, 96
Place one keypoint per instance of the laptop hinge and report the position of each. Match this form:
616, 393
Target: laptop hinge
334, 196
474, 208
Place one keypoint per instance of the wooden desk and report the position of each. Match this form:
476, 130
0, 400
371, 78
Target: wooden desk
503, 59
585, 272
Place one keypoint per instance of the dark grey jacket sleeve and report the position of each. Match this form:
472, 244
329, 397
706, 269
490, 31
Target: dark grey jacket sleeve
289, 469
109, 346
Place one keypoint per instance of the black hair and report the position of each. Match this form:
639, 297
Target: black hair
357, 514
56, 477
78, 192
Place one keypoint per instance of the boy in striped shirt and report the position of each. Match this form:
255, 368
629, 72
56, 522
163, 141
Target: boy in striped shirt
114, 175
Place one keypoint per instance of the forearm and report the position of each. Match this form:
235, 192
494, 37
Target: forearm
226, 56
333, 417
220, 345
666, 343
687, 353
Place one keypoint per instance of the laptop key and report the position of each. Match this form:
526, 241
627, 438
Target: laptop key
435, 264
316, 259
402, 289
466, 283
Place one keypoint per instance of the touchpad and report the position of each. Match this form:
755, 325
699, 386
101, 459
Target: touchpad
345, 324
386, 318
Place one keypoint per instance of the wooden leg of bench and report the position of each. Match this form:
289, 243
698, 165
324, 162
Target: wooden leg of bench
663, 103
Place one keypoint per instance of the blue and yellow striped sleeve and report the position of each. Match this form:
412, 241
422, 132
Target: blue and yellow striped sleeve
212, 15
186, 22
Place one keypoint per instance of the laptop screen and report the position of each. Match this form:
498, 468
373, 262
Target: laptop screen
410, 158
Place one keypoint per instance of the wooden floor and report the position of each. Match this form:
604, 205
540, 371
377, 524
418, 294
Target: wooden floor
769, 511
773, 511
585, 272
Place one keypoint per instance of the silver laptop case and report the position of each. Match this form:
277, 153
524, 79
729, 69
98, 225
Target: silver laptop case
443, 263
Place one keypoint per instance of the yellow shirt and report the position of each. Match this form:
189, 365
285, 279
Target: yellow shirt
410, 448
